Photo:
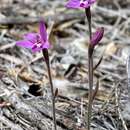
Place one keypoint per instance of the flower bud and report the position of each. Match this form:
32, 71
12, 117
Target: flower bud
97, 36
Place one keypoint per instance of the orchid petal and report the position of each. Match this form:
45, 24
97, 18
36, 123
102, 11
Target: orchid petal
73, 4
35, 49
31, 37
92, 1
44, 46
76, 4
24, 43
85, 4
42, 29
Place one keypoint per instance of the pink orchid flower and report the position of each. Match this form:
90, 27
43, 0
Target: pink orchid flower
79, 3
97, 36
35, 41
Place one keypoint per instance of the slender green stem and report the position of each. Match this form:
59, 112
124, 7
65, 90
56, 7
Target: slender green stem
90, 75
90, 69
53, 97
46, 56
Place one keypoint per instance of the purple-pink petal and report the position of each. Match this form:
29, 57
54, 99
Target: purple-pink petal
85, 4
36, 49
92, 1
79, 3
73, 4
31, 37
42, 29
45, 45
24, 43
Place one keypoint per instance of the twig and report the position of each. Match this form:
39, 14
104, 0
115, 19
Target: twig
128, 75
27, 20
118, 108
9, 123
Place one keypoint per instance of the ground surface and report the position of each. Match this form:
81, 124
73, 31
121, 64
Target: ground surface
25, 99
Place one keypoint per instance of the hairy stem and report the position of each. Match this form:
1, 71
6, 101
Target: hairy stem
46, 56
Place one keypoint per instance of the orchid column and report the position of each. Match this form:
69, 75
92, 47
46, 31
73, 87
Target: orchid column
39, 42
93, 41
